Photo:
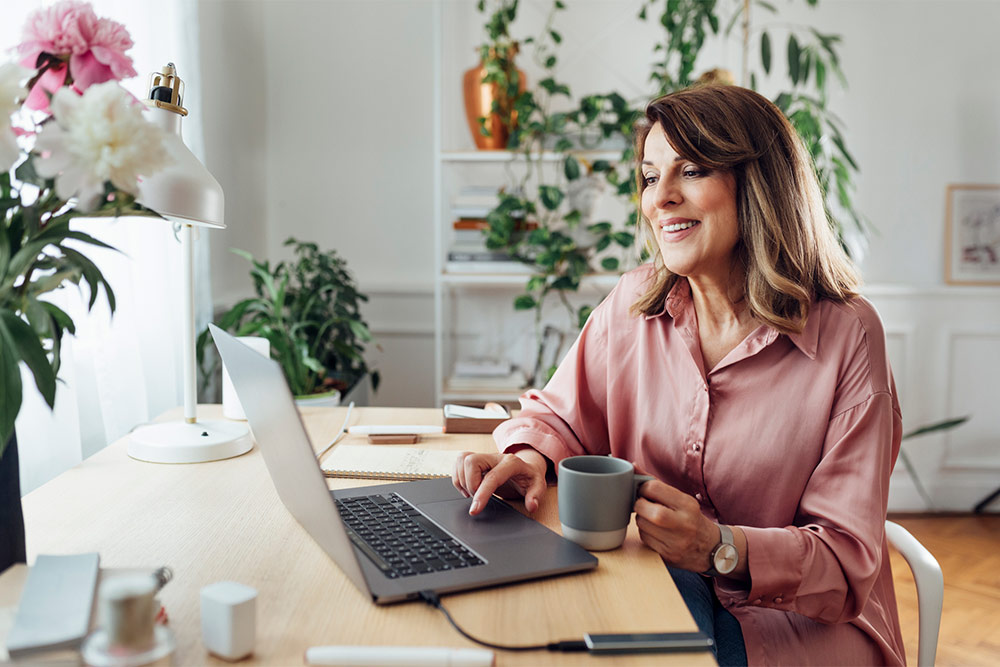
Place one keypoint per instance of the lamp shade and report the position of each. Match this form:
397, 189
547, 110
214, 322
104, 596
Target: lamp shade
184, 191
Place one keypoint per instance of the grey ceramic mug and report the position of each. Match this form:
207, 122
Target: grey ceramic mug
596, 495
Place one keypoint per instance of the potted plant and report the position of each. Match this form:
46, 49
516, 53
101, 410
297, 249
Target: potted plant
308, 309
73, 144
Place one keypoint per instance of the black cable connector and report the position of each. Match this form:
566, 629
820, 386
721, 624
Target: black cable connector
565, 646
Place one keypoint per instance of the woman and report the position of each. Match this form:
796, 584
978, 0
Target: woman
743, 370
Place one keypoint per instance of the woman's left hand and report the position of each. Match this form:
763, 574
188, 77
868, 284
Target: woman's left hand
670, 523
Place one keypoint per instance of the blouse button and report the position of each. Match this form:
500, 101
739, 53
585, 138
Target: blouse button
696, 447
698, 497
757, 601
777, 600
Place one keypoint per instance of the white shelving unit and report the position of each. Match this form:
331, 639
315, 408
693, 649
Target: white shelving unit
473, 311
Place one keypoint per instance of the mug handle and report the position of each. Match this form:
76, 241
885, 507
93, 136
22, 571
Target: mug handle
637, 481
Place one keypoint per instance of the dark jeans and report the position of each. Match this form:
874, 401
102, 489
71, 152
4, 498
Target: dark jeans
711, 617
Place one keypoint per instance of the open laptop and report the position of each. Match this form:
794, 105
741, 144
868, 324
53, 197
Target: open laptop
391, 540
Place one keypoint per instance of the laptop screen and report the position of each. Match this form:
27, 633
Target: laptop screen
288, 454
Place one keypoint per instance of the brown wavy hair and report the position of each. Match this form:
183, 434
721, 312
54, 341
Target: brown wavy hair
787, 250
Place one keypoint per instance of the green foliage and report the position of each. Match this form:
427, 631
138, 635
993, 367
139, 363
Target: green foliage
559, 260
40, 252
309, 310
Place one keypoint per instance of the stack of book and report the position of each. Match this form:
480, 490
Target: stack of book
468, 252
485, 375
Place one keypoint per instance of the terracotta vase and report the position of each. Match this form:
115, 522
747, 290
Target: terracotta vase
479, 98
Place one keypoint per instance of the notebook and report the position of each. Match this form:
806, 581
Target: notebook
396, 463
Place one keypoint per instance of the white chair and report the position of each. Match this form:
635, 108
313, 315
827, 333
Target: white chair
930, 589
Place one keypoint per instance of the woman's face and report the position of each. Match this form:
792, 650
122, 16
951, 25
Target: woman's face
692, 210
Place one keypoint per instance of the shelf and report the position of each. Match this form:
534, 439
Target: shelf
511, 156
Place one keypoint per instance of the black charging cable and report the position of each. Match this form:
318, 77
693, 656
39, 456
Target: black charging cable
566, 646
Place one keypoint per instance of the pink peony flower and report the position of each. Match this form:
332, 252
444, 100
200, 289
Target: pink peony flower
70, 31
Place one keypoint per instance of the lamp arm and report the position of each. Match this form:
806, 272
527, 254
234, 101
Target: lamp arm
187, 322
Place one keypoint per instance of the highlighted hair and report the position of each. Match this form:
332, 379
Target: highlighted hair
787, 249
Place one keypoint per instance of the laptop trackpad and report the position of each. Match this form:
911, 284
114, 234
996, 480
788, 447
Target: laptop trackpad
498, 520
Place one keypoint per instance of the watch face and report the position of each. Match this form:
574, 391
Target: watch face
726, 557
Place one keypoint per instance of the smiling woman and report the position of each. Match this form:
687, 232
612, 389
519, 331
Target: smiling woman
689, 370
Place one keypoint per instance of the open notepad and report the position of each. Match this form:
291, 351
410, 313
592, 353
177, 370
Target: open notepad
388, 462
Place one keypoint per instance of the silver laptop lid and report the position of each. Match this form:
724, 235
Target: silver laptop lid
288, 454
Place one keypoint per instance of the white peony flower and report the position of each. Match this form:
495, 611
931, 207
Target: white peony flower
12, 89
97, 137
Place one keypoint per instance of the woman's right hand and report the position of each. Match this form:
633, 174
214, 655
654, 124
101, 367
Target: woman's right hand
479, 476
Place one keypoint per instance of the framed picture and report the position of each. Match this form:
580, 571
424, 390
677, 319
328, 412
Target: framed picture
972, 235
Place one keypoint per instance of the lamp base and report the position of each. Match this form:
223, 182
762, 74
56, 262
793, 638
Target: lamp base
180, 442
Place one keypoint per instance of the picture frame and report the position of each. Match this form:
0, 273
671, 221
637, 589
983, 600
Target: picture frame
972, 235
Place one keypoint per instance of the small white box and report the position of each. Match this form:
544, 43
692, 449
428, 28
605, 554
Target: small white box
229, 619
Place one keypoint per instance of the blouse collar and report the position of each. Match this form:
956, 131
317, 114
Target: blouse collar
679, 300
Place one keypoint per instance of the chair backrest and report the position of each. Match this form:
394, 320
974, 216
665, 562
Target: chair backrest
930, 589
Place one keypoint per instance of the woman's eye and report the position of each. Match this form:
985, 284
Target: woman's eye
692, 172
649, 180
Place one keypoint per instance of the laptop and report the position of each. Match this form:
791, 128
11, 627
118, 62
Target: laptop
391, 540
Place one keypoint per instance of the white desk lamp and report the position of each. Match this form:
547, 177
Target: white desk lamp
187, 194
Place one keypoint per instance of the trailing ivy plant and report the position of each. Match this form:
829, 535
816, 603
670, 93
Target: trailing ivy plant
554, 249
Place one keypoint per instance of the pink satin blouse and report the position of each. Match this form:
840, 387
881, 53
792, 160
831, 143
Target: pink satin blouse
791, 437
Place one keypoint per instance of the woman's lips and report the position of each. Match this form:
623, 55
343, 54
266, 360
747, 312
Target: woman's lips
680, 234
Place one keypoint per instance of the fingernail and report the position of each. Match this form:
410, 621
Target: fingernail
475, 507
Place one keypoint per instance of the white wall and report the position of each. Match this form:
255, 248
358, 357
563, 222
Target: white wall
321, 119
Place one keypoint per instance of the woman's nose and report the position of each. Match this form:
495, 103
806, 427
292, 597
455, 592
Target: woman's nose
667, 193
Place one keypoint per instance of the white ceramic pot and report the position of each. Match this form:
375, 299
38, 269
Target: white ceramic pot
330, 399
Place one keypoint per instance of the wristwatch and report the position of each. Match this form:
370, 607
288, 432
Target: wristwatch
724, 556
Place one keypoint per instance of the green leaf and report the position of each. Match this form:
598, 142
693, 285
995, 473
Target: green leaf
582, 315
601, 166
599, 228
624, 239
571, 167
525, 302
843, 149
765, 52
10, 383
17, 334
610, 263
556, 37
793, 58
820, 75
551, 196
550, 62
944, 425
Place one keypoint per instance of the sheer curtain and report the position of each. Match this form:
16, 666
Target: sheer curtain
121, 371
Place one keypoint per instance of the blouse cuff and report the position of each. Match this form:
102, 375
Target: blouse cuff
548, 444
775, 558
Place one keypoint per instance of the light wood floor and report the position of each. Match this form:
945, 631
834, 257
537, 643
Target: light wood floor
968, 549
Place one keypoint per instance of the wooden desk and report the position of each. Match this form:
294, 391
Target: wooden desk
223, 521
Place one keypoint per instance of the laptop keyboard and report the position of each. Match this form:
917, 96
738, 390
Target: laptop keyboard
400, 540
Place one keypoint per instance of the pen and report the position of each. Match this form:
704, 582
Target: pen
394, 429
393, 656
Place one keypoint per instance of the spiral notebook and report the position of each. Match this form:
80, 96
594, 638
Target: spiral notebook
388, 462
